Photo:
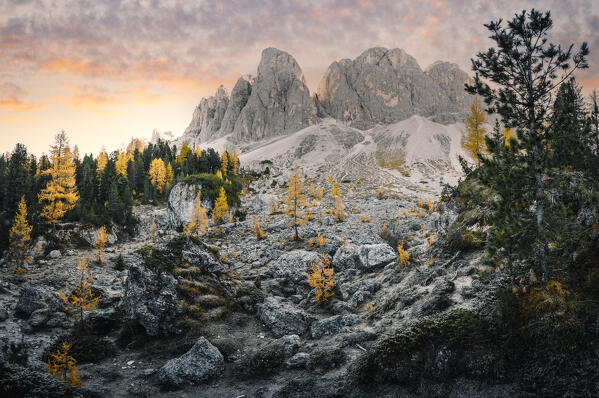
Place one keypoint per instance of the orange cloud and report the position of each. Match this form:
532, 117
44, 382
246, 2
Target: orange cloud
432, 20
75, 66
11, 99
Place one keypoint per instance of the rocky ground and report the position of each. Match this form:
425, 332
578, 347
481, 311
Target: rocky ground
231, 315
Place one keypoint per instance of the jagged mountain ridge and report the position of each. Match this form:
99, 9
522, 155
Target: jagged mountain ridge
381, 86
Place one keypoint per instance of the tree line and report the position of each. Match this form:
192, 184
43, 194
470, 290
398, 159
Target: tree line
63, 187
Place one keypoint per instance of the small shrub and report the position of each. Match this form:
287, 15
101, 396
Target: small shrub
320, 240
62, 366
404, 256
322, 278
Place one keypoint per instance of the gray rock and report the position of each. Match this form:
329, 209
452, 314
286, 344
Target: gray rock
38, 317
298, 361
181, 201
197, 365
373, 256
54, 254
333, 325
151, 299
201, 256
280, 100
29, 301
294, 265
387, 85
3, 314
239, 98
283, 318
364, 257
207, 117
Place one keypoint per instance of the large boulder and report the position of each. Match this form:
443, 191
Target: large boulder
29, 301
364, 257
197, 365
282, 317
280, 100
181, 201
151, 299
198, 255
294, 265
387, 85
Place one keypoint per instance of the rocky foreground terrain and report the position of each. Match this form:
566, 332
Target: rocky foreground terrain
231, 315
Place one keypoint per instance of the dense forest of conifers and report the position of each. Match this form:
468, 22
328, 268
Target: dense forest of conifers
108, 185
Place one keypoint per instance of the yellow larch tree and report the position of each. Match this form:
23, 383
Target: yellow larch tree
82, 298
321, 277
157, 174
170, 175
62, 366
221, 208
295, 201
339, 212
198, 223
335, 190
474, 139
102, 161
122, 158
60, 194
20, 236
224, 162
234, 163
404, 256
100, 243
257, 230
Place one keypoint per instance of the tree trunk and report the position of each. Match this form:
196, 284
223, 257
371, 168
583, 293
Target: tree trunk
539, 205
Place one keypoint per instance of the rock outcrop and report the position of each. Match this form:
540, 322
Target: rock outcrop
280, 101
239, 98
181, 201
202, 362
151, 299
385, 86
282, 317
208, 115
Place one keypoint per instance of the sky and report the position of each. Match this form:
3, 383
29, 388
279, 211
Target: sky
108, 70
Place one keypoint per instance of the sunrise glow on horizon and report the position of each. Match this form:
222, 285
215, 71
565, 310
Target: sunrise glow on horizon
106, 71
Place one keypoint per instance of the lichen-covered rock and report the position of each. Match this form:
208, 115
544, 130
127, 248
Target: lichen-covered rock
151, 299
202, 362
333, 325
282, 317
181, 201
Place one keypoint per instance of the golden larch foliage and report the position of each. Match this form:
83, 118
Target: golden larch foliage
508, 135
122, 158
365, 218
474, 139
221, 208
224, 162
62, 366
404, 256
257, 230
20, 235
184, 153
335, 190
430, 205
274, 208
60, 194
330, 180
339, 213
296, 201
321, 277
170, 175
431, 261
320, 240
101, 161
82, 297
233, 163
198, 223
153, 230
157, 174
219, 174
319, 192
100, 243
